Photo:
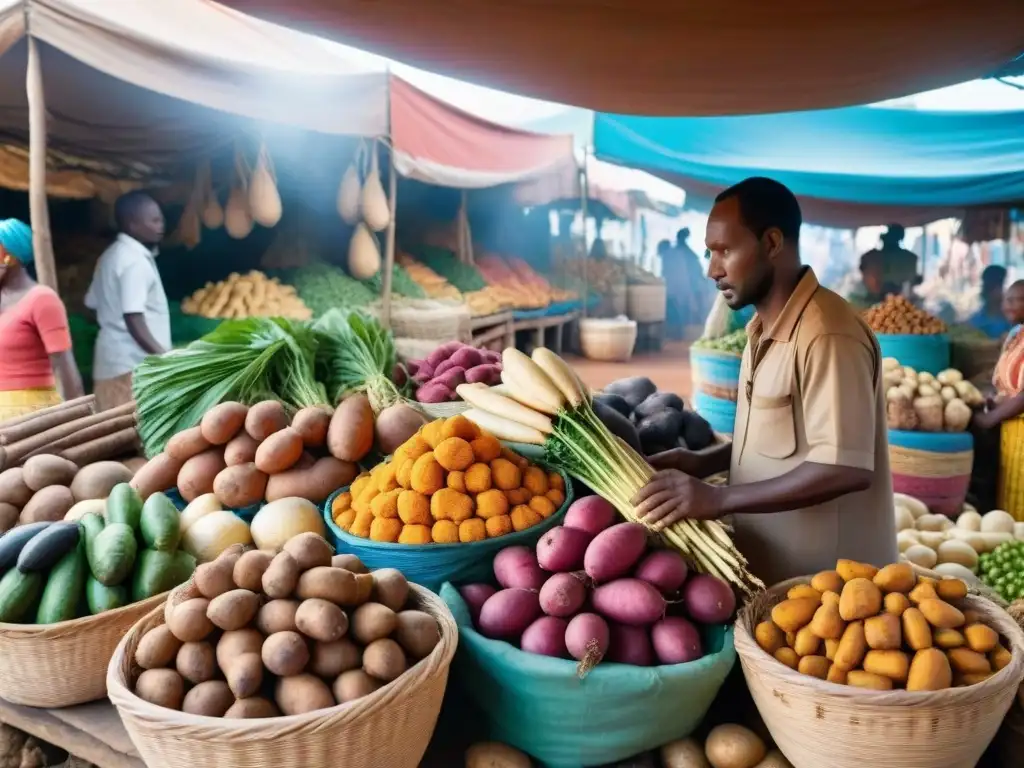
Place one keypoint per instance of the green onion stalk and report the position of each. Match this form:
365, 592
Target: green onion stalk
357, 354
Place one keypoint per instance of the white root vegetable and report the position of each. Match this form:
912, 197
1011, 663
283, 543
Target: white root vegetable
525, 376
905, 540
993, 540
931, 522
561, 374
1018, 531
973, 538
505, 429
956, 571
950, 376
932, 539
916, 506
997, 521
922, 556
904, 518
955, 551
969, 521
486, 399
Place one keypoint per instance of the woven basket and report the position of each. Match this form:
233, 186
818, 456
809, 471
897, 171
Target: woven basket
441, 410
60, 665
428, 319
607, 340
940, 480
818, 724
391, 727
646, 303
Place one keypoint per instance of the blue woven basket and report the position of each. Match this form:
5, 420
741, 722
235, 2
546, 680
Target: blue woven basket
934, 442
722, 369
430, 565
922, 353
720, 414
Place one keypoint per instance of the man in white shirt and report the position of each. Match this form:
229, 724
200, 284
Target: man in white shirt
129, 300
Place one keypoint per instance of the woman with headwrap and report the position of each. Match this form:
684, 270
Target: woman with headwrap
35, 342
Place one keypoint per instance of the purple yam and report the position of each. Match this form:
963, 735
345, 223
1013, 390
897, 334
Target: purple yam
546, 637
563, 594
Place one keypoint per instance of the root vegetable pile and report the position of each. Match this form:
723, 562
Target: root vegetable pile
921, 401
450, 365
451, 482
648, 420
594, 590
882, 629
897, 315
249, 295
264, 633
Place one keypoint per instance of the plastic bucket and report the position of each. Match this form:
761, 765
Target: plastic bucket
922, 353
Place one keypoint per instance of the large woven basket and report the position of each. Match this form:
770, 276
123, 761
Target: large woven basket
818, 724
607, 340
390, 728
60, 665
647, 303
934, 467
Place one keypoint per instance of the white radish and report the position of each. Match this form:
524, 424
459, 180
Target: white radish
561, 374
505, 429
487, 400
525, 376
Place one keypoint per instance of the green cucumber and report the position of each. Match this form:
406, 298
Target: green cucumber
101, 598
160, 523
63, 591
18, 593
124, 505
113, 554
46, 548
157, 572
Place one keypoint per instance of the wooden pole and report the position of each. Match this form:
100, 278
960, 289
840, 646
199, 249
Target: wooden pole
42, 243
389, 243
584, 197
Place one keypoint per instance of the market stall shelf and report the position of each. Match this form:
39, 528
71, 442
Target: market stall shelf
92, 732
539, 327
490, 329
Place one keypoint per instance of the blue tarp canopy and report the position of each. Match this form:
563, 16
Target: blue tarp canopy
850, 167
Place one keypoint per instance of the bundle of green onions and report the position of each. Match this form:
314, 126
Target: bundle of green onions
547, 405
246, 360
356, 354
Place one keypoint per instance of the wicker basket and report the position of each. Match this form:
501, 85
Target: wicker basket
428, 319
60, 665
609, 341
441, 410
390, 727
934, 467
647, 303
818, 724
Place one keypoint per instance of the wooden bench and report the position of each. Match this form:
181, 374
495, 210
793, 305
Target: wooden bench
539, 326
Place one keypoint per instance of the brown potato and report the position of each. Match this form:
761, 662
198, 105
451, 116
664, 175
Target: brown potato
836, 675
180, 594
334, 584
279, 452
186, 444
896, 603
189, 622
815, 666
245, 675
351, 431
384, 659
9, 515
948, 638
252, 708
13, 489
852, 647
159, 474
157, 648
163, 687
349, 563
321, 620
331, 659
892, 664
898, 577
981, 638
788, 657
364, 587
312, 424
215, 578
923, 591
249, 569
281, 577
315, 482
417, 632
223, 422
951, 589
302, 693
372, 621
768, 636
860, 599
197, 475
968, 662
277, 616
234, 609
285, 653
941, 614
196, 663
999, 658
827, 581
860, 679
210, 699
806, 643
882, 632
789, 615
803, 590
241, 449
48, 505
264, 419
827, 623
235, 644
850, 570
354, 684
309, 550
929, 671
916, 631
240, 486
390, 588
44, 470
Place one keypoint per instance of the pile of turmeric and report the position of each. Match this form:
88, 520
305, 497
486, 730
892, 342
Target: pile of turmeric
451, 482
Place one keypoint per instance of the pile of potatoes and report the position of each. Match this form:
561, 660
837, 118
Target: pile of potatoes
261, 634
50, 488
898, 315
882, 629
245, 455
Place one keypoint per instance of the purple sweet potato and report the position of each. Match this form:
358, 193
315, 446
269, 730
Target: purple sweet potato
434, 392
546, 637
709, 600
452, 378
444, 365
467, 358
664, 568
413, 367
586, 639
563, 594
629, 601
614, 551
424, 373
507, 613
591, 514
676, 641
487, 373
562, 549
475, 596
630, 645
490, 356
443, 353
516, 567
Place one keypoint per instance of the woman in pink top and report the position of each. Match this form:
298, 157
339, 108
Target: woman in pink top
35, 342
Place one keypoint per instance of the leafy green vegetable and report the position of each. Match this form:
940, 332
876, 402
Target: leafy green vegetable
323, 287
401, 283
465, 277
357, 354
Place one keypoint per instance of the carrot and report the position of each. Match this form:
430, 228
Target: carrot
19, 451
102, 429
67, 404
104, 448
35, 426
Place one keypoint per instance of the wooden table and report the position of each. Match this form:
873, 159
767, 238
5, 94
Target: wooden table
541, 325
490, 328
92, 732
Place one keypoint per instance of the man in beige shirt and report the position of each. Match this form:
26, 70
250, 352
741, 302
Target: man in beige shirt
809, 477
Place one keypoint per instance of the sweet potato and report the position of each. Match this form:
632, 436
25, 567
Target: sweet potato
312, 424
159, 474
395, 425
48, 505
350, 435
264, 419
241, 449
186, 444
223, 422
197, 474
13, 489
95, 481
240, 486
315, 483
279, 451
43, 470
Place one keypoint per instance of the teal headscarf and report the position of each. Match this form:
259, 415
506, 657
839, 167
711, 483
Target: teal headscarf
16, 239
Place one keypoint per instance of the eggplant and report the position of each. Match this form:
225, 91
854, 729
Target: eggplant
12, 542
659, 401
660, 429
618, 425
696, 431
47, 547
614, 401
633, 390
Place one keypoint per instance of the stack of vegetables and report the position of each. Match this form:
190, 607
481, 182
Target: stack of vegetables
734, 343
1003, 569
444, 276
650, 421
898, 316
71, 430
450, 365
282, 632
435, 286
882, 629
449, 483
593, 590
401, 284
323, 287
60, 571
50, 488
548, 406
927, 403
512, 287
250, 295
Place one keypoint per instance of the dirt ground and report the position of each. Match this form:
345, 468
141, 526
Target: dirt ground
669, 369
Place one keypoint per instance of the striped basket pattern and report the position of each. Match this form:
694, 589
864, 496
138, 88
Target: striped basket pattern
922, 353
721, 369
934, 467
720, 413
1011, 468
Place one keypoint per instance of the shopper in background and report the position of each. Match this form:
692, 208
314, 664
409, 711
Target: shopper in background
991, 319
688, 291
899, 265
872, 287
128, 298
35, 343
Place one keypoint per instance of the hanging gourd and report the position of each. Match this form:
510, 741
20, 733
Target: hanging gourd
237, 217
213, 213
374, 201
348, 191
264, 199
363, 254
189, 231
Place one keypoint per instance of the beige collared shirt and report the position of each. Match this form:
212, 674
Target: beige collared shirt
811, 390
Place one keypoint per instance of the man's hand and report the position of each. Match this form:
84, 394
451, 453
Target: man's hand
672, 495
676, 458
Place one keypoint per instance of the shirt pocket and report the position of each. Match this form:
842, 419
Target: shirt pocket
772, 429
